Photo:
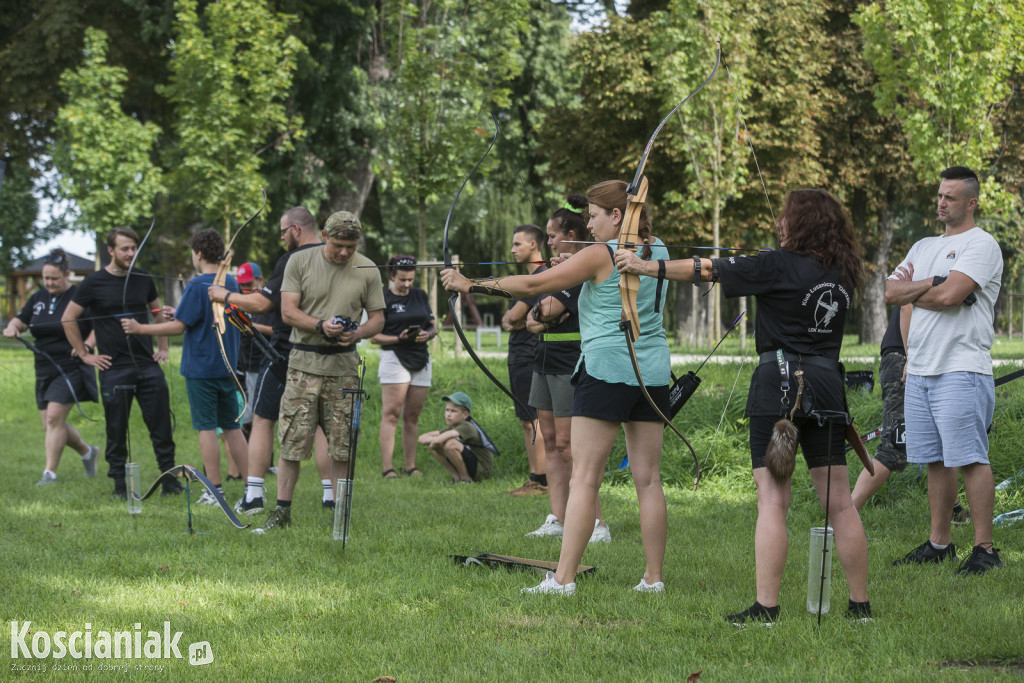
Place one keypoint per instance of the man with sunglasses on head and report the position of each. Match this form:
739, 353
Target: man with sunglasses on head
299, 232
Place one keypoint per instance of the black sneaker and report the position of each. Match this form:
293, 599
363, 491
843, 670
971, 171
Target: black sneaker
278, 519
756, 613
926, 553
859, 611
249, 507
980, 561
120, 490
328, 504
171, 487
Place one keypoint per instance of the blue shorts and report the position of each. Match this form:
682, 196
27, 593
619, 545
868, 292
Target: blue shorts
212, 403
947, 418
614, 402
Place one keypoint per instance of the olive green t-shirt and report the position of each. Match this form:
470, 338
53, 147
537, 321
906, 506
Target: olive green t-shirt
469, 436
327, 290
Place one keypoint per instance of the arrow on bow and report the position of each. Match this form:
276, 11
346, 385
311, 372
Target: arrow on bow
218, 309
629, 284
454, 298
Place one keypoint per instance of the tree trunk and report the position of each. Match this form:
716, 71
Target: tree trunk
685, 318
873, 316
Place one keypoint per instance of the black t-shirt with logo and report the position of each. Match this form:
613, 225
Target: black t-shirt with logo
108, 299
802, 309
559, 356
400, 312
42, 313
272, 290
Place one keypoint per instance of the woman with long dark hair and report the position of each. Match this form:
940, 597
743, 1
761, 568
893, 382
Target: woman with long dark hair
607, 394
804, 291
56, 394
555, 320
405, 370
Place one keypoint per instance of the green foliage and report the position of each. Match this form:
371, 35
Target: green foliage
449, 63
940, 70
231, 71
18, 211
102, 153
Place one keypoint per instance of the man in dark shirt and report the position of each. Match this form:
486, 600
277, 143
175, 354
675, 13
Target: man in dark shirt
128, 367
298, 230
522, 346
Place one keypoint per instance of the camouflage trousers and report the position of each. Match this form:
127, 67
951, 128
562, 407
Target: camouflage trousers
890, 376
310, 401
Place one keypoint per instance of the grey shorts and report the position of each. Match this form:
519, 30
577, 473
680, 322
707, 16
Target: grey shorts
553, 393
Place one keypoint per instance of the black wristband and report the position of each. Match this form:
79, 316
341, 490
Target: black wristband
88, 349
320, 328
696, 270
227, 298
714, 270
938, 280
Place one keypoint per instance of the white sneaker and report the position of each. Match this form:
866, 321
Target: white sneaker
551, 587
89, 462
602, 534
644, 587
550, 527
207, 499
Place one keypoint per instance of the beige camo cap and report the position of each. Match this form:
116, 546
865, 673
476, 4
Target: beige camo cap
343, 224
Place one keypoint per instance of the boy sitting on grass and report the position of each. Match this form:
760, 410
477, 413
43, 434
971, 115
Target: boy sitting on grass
463, 448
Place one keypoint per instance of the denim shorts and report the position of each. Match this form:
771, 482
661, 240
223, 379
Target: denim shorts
948, 417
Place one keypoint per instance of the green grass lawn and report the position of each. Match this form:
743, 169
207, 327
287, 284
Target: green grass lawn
292, 606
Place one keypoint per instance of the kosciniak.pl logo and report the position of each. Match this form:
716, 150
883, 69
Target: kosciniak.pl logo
135, 644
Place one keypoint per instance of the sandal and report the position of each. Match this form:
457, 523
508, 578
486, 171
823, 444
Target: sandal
391, 472
412, 472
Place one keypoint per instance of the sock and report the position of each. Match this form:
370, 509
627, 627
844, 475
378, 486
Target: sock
937, 546
253, 489
328, 489
51, 473
284, 503
541, 479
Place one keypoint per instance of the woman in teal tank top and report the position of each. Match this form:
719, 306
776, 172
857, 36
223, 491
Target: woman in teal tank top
607, 392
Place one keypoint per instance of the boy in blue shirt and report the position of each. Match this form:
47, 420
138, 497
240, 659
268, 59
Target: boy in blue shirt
212, 391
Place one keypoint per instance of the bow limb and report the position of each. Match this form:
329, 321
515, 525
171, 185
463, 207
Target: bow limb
454, 298
194, 475
664, 418
219, 279
67, 380
629, 237
124, 292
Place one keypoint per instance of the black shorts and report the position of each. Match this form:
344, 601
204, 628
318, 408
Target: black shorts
266, 401
614, 402
813, 440
51, 387
520, 379
469, 460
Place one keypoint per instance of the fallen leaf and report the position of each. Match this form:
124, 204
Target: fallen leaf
165, 567
385, 679
692, 678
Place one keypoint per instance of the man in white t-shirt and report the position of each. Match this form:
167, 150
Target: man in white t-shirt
947, 286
